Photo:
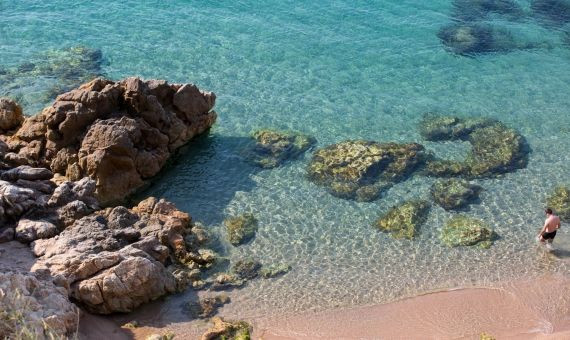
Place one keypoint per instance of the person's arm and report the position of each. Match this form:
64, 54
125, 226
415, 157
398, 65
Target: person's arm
543, 229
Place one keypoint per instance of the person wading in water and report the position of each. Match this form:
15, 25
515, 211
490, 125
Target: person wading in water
551, 225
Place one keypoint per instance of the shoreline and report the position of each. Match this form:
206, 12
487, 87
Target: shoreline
537, 308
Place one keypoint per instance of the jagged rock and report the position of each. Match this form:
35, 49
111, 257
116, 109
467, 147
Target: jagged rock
114, 259
552, 12
246, 269
466, 231
207, 307
559, 201
11, 116
118, 133
82, 190
35, 308
274, 270
495, 148
26, 173
454, 193
362, 169
471, 10
272, 148
16, 200
404, 220
241, 228
28, 230
230, 330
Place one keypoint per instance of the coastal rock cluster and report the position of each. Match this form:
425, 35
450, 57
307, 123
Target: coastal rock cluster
94, 146
118, 133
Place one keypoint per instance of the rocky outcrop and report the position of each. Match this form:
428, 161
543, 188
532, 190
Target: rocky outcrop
11, 115
454, 193
33, 306
495, 148
466, 231
404, 220
116, 259
241, 228
361, 170
559, 201
118, 133
272, 148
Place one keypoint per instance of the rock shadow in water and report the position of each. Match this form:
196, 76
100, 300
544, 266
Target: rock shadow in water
472, 10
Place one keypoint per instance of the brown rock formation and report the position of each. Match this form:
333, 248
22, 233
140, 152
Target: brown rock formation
11, 116
118, 133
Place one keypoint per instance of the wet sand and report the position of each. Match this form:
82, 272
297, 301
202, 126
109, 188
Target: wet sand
533, 309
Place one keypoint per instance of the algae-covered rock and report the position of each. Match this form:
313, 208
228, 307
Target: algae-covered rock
477, 38
241, 228
228, 330
495, 148
466, 231
404, 220
559, 201
207, 307
246, 268
274, 270
227, 281
272, 148
363, 169
454, 193
470, 10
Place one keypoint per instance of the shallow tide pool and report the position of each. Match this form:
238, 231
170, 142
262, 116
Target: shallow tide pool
337, 71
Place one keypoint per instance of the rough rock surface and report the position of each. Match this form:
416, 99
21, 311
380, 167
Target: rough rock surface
362, 169
230, 330
274, 270
241, 228
466, 231
559, 201
118, 133
11, 115
404, 220
496, 149
116, 259
272, 148
208, 306
454, 193
34, 306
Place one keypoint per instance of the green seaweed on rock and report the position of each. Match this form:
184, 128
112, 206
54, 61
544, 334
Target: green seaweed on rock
559, 201
272, 148
241, 228
404, 220
275, 270
454, 193
362, 170
466, 231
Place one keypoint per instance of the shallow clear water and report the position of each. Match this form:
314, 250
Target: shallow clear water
341, 70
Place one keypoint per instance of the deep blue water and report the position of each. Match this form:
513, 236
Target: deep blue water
337, 70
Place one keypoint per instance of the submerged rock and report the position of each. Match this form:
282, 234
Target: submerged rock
246, 269
241, 228
225, 281
554, 12
272, 148
118, 133
454, 193
466, 231
274, 270
478, 38
495, 148
559, 201
404, 220
363, 169
470, 10
208, 306
227, 330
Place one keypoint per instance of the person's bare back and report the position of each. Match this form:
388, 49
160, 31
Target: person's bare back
548, 231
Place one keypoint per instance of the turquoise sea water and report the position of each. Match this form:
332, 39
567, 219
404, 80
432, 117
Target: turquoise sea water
336, 70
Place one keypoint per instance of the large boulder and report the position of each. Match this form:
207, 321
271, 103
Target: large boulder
118, 133
466, 231
454, 193
495, 148
272, 148
33, 307
362, 169
404, 220
559, 201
